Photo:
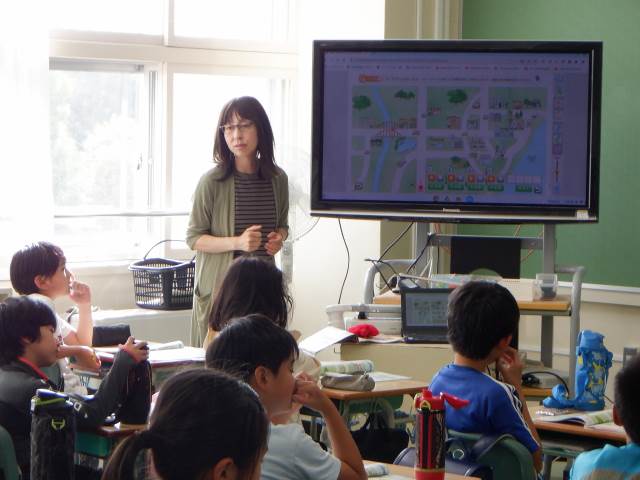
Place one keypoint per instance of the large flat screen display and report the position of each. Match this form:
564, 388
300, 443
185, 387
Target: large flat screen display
457, 130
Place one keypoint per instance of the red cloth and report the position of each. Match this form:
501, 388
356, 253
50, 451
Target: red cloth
364, 330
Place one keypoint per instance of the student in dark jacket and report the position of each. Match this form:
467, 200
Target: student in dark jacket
27, 343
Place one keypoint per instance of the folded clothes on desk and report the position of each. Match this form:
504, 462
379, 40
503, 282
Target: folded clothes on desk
356, 382
346, 366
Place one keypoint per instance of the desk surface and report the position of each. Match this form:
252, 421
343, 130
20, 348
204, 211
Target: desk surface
407, 472
382, 389
116, 431
560, 304
578, 430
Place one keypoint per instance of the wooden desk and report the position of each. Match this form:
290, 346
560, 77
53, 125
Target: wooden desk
164, 363
93, 447
559, 305
569, 440
535, 392
407, 472
575, 430
382, 389
380, 395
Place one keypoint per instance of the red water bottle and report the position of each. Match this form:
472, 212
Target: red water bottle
431, 433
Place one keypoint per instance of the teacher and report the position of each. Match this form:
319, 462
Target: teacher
240, 207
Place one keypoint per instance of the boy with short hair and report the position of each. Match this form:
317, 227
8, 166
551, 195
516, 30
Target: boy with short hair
27, 344
617, 462
262, 354
482, 320
40, 271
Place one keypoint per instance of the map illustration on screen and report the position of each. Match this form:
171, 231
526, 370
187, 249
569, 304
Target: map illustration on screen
457, 129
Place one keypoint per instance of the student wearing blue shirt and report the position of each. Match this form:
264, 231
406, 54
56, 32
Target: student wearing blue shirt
617, 463
482, 319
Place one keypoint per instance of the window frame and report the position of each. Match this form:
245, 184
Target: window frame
167, 56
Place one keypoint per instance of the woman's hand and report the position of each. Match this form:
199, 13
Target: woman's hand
249, 240
274, 243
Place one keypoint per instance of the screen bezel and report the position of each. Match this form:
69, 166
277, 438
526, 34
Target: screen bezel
458, 212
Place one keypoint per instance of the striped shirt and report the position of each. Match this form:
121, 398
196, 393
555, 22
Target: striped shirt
254, 205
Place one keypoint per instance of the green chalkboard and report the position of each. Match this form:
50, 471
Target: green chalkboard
610, 249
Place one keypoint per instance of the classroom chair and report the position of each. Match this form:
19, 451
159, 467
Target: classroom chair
504, 454
407, 458
9, 469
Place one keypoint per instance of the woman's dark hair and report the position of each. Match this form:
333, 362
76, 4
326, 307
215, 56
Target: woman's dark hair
21, 318
480, 315
201, 417
627, 398
251, 285
41, 258
247, 108
248, 343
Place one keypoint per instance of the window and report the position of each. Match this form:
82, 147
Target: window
130, 139
102, 139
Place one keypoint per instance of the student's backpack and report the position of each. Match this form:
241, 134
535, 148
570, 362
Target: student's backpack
53, 436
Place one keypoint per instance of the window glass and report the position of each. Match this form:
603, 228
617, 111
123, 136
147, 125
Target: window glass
99, 135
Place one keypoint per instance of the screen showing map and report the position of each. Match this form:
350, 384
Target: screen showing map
485, 128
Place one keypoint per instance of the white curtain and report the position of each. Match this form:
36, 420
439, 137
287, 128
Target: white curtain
26, 198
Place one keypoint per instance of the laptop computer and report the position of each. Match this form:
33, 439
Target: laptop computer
424, 314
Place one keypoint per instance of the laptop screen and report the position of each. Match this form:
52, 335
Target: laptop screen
424, 311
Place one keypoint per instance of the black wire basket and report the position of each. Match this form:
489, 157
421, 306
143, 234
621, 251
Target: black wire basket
163, 284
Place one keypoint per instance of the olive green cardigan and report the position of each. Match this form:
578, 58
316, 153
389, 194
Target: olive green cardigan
213, 213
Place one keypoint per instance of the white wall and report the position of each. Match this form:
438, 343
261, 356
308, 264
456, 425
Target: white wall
320, 257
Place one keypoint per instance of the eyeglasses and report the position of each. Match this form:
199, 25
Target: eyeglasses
241, 127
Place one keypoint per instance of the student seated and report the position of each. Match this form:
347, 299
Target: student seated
28, 343
206, 424
262, 354
617, 463
482, 319
252, 285
40, 271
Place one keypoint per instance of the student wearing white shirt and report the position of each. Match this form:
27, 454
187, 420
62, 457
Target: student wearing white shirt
40, 271
263, 354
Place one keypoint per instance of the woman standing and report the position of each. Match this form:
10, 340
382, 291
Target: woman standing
240, 206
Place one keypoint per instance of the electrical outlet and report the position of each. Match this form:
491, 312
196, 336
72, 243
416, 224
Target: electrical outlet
628, 353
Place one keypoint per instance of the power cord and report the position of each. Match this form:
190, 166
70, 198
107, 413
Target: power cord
397, 239
546, 372
306, 231
348, 261
426, 244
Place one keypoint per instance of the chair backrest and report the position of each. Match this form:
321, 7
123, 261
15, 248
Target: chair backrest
407, 458
8, 464
503, 453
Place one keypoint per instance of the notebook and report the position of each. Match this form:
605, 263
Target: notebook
424, 314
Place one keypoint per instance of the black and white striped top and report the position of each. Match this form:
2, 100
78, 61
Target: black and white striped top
254, 205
